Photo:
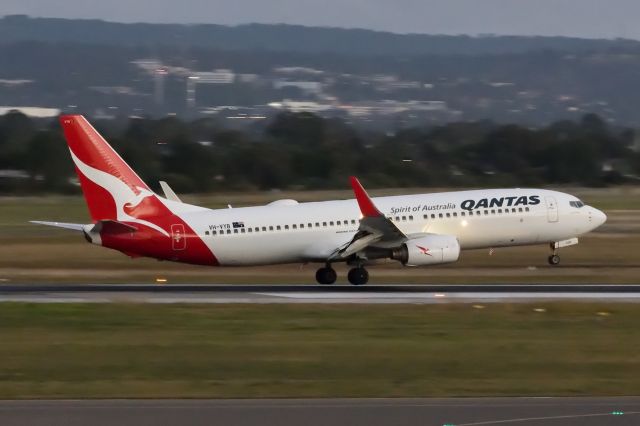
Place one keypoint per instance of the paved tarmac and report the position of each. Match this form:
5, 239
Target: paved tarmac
413, 294
322, 412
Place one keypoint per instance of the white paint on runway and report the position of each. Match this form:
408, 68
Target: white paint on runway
329, 297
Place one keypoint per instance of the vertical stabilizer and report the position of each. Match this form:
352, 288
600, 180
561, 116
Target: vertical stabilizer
108, 183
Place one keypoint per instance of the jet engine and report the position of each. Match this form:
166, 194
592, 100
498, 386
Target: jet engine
429, 250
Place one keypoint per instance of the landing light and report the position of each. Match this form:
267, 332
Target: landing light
464, 223
161, 280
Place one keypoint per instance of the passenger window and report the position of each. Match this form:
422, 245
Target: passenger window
324, 223
397, 218
499, 211
425, 216
286, 227
214, 232
448, 214
271, 228
462, 214
404, 218
235, 231
309, 225
440, 215
317, 224
338, 223
250, 229
486, 212
331, 223
278, 228
433, 215
526, 209
294, 226
410, 217
228, 231
520, 209
513, 210
264, 229
206, 232
455, 214
353, 222
242, 231
257, 229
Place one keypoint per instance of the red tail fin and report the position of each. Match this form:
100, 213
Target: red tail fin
108, 183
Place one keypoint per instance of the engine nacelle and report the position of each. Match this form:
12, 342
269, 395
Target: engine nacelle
429, 250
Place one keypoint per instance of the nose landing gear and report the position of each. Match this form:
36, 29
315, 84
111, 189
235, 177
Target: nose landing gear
554, 258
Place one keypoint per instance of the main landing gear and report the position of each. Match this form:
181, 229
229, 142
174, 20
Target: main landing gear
327, 275
358, 276
554, 258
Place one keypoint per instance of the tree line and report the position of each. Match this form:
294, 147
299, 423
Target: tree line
305, 151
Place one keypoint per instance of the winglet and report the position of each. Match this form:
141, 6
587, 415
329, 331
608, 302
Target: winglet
367, 208
168, 192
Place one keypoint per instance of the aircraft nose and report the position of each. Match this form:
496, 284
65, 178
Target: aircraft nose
598, 217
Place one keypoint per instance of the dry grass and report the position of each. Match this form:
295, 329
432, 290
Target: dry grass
149, 351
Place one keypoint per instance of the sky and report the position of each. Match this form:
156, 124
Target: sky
580, 18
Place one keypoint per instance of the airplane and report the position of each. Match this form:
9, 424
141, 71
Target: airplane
415, 230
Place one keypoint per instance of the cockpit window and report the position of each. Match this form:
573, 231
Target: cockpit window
576, 204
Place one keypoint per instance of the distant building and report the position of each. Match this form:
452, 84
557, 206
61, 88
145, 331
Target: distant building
219, 76
301, 106
31, 111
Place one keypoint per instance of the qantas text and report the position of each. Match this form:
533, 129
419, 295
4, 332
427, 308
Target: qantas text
531, 200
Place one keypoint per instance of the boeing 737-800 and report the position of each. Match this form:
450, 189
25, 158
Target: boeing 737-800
415, 230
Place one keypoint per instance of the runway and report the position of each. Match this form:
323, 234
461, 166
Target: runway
322, 412
370, 294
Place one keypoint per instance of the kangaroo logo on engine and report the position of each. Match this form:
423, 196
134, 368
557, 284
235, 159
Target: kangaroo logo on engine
531, 200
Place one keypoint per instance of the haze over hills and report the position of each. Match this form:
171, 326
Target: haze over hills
285, 38
246, 73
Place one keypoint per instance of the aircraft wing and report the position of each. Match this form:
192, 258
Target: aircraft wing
375, 228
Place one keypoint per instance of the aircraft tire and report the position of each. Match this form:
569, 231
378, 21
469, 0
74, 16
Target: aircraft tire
358, 276
554, 260
326, 276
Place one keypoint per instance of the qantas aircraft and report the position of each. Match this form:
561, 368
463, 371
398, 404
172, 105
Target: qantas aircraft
415, 230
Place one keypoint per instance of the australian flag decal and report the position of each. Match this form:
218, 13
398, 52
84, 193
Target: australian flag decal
237, 225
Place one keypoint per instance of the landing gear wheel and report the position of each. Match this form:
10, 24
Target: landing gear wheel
326, 275
358, 276
554, 260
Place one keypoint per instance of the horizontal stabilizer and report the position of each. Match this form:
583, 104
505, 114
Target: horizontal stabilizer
113, 227
71, 226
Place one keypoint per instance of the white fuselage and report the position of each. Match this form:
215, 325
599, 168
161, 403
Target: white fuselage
290, 232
